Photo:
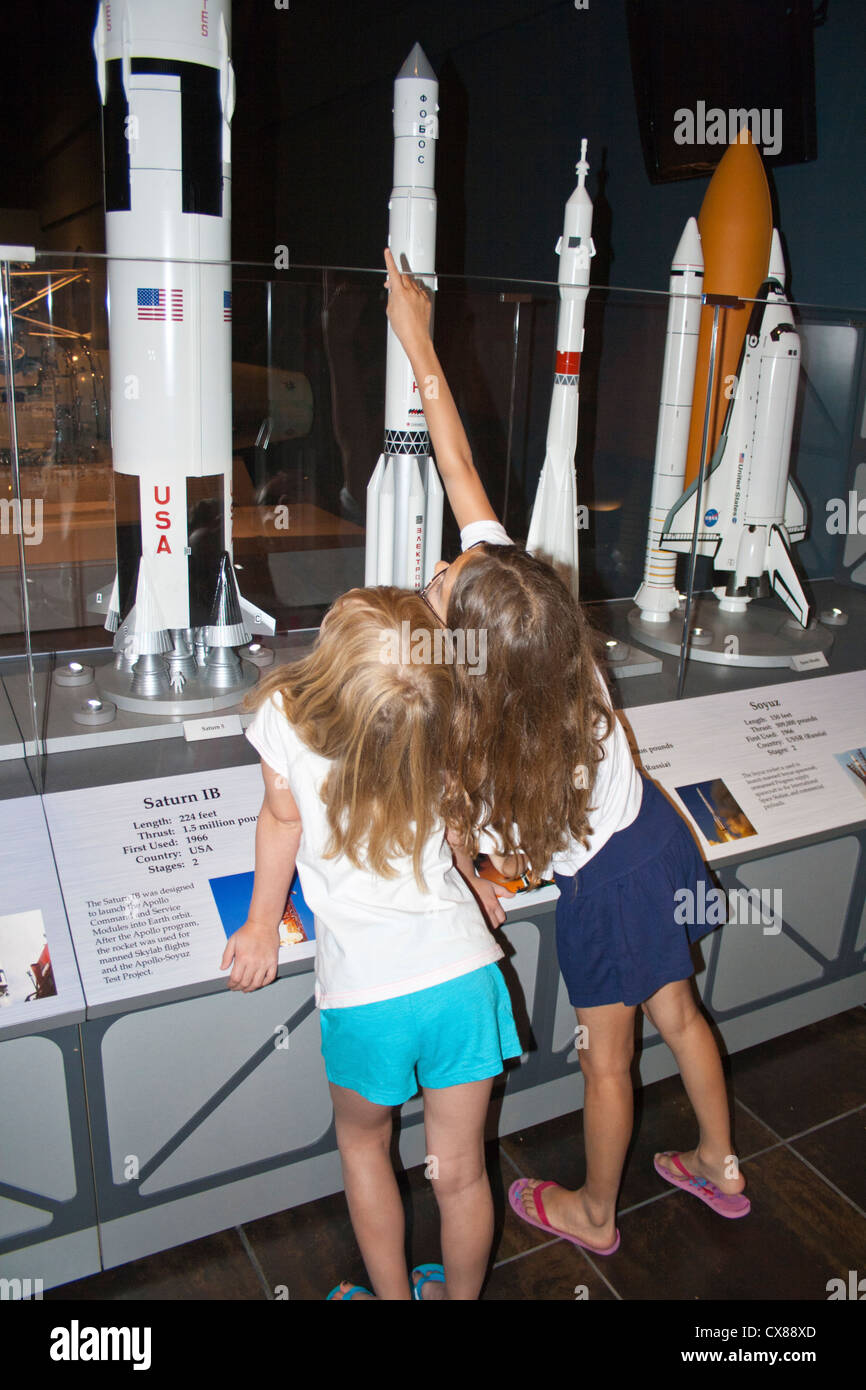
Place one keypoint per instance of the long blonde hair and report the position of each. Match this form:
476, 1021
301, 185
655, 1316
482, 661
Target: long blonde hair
381, 719
527, 737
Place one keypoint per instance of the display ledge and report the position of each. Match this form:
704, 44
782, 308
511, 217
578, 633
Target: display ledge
638, 677
57, 703
847, 653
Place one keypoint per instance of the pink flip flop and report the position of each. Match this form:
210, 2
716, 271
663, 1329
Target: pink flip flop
726, 1204
518, 1208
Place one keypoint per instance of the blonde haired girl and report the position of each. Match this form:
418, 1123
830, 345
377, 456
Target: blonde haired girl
352, 742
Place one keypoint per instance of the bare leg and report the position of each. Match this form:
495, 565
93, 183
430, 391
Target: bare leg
364, 1137
675, 1013
454, 1119
608, 1114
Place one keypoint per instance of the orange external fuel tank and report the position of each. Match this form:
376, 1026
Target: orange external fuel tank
736, 227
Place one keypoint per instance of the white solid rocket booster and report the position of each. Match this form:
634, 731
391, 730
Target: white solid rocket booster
553, 528
404, 495
167, 88
751, 511
657, 596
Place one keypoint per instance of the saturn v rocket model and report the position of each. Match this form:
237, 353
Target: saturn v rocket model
404, 495
749, 512
553, 528
167, 88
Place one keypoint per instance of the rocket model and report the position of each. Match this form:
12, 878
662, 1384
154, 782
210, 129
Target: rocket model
167, 89
553, 528
404, 495
658, 597
750, 510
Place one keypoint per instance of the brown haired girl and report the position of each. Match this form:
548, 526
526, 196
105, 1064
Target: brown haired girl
541, 771
352, 741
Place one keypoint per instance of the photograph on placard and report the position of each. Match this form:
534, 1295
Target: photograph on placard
233, 892
715, 811
25, 962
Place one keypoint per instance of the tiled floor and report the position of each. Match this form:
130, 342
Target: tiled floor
800, 1131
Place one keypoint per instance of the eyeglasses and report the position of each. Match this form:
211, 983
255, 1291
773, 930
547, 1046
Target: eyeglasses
422, 593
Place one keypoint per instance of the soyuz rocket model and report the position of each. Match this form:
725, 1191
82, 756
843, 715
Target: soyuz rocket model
167, 89
750, 512
404, 495
553, 528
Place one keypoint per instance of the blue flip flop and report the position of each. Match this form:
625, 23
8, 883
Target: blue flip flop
430, 1274
347, 1296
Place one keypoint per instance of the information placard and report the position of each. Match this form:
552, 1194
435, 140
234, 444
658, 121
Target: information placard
756, 768
157, 874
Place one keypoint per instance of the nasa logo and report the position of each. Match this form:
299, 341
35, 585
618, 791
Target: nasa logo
711, 517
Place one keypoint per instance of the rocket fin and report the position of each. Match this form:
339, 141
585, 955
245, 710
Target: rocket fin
257, 619
783, 576
540, 508
553, 529
795, 512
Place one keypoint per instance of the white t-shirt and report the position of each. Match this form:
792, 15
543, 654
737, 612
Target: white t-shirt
617, 791
376, 938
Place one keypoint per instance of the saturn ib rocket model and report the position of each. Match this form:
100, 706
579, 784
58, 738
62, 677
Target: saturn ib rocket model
167, 88
553, 528
404, 495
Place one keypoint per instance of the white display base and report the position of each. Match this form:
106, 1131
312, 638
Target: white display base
760, 637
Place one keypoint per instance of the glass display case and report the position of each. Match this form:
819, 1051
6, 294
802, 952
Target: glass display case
307, 374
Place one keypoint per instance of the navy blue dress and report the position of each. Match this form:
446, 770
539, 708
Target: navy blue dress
620, 933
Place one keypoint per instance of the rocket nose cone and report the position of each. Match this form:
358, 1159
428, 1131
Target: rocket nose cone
736, 222
739, 177
416, 65
777, 269
688, 252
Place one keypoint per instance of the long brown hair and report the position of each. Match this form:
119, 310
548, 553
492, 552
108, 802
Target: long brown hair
380, 717
522, 732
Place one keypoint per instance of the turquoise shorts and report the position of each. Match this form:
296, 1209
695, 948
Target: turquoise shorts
452, 1033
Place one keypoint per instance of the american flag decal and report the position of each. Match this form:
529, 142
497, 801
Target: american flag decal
152, 305
227, 306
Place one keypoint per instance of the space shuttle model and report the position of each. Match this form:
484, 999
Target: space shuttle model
553, 528
167, 89
404, 494
750, 512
